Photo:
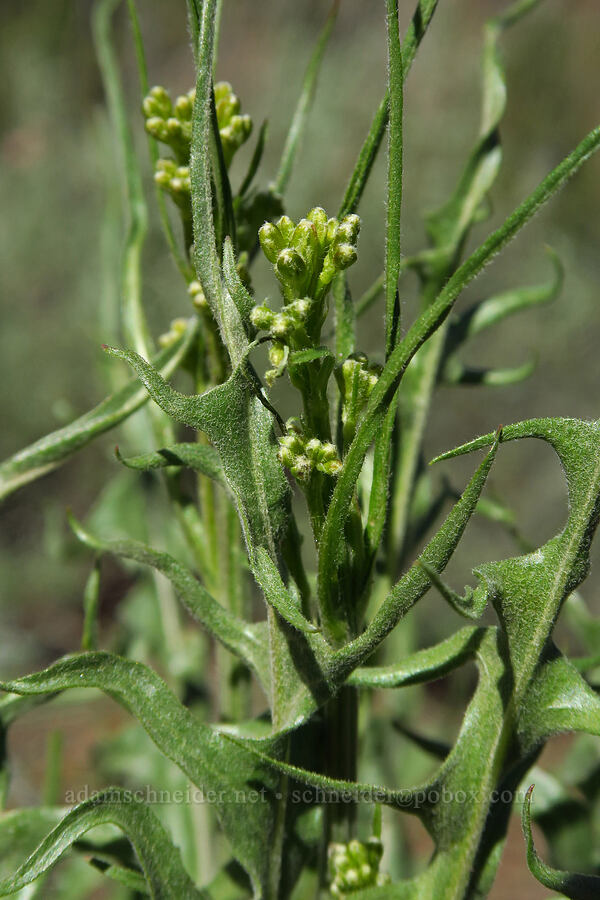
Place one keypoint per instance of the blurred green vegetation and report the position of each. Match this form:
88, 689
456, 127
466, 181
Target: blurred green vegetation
62, 194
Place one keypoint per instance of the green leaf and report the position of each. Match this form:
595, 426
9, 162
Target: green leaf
210, 761
556, 569
574, 886
50, 451
242, 638
239, 426
486, 314
305, 102
200, 457
159, 859
394, 182
455, 373
368, 153
255, 160
416, 582
424, 665
180, 260
134, 320
276, 593
203, 176
91, 595
423, 328
242, 299
558, 700
472, 605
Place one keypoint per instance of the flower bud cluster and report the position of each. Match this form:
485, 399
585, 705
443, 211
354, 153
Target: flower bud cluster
175, 180
355, 866
302, 456
356, 379
308, 255
234, 128
169, 123
288, 325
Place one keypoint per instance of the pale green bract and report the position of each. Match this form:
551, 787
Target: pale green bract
230, 529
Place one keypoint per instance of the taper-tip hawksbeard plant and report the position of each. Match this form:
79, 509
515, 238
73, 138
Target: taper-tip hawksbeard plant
327, 514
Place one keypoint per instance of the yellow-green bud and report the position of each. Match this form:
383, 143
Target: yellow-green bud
262, 317
157, 103
270, 241
197, 294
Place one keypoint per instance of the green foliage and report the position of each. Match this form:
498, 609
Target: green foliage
280, 772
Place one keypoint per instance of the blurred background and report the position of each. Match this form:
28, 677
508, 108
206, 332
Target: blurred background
62, 209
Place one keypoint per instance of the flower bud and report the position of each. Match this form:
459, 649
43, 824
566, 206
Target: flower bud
270, 241
184, 107
197, 294
290, 264
157, 103
344, 255
262, 317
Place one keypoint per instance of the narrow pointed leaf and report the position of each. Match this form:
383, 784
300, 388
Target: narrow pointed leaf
50, 451
572, 885
456, 373
423, 328
211, 762
303, 107
487, 313
368, 153
235, 421
159, 858
424, 665
276, 593
200, 457
415, 583
255, 160
238, 636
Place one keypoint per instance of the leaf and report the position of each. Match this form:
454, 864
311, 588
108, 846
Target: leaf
277, 594
305, 102
455, 373
159, 859
89, 637
206, 240
574, 886
206, 757
424, 665
180, 260
200, 457
239, 426
255, 160
238, 636
368, 153
345, 318
242, 299
50, 451
423, 328
558, 700
134, 320
394, 182
489, 312
540, 581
